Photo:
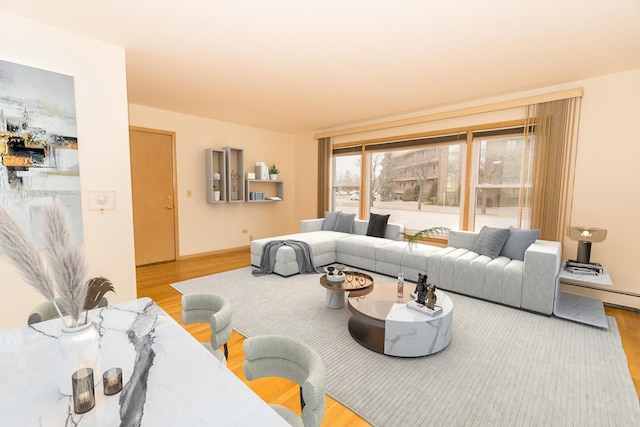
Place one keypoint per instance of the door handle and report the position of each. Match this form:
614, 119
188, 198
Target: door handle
169, 207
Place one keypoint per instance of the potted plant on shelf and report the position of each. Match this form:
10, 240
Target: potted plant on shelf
273, 172
216, 186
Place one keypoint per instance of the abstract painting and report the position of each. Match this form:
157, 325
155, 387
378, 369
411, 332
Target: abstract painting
39, 147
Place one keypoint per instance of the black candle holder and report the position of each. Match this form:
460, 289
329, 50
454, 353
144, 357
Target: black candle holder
84, 398
112, 381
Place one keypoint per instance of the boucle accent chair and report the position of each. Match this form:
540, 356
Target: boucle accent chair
46, 310
285, 357
214, 309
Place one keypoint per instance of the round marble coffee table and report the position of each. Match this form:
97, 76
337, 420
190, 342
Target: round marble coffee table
383, 324
355, 281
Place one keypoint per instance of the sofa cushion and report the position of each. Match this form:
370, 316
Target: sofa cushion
463, 239
518, 242
490, 241
377, 225
330, 219
344, 224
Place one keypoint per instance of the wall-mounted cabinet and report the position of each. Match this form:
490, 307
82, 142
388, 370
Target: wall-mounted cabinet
259, 190
215, 166
235, 174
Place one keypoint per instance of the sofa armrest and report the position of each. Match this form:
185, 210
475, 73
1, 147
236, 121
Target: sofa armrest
307, 225
541, 267
394, 231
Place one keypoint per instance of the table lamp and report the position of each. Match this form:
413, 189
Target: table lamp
585, 236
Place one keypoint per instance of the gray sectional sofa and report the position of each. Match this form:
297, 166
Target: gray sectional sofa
464, 266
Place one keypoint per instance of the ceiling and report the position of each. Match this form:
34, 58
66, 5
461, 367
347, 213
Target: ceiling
304, 65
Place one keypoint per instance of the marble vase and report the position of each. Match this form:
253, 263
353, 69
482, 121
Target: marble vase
77, 348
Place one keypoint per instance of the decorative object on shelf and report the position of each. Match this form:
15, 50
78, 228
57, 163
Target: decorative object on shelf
112, 381
78, 344
216, 186
585, 236
234, 185
273, 172
262, 171
84, 398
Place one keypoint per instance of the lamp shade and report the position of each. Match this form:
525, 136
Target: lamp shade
586, 234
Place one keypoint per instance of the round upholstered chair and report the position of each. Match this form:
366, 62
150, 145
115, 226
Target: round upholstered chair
279, 356
212, 309
46, 310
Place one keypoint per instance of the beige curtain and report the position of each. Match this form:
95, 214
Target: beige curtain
324, 178
556, 131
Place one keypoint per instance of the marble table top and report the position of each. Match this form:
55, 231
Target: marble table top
169, 378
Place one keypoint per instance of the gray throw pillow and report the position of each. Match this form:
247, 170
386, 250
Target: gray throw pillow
377, 225
330, 219
518, 242
344, 224
491, 240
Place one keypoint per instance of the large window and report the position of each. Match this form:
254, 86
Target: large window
418, 181
346, 183
428, 182
501, 181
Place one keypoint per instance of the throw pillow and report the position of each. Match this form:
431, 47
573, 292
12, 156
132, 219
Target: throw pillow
344, 224
491, 240
330, 219
518, 242
377, 225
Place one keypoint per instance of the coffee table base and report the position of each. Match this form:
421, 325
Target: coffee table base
335, 299
367, 332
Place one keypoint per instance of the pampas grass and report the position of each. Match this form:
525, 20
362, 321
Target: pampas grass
66, 260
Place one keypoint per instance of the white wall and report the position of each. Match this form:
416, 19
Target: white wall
207, 227
607, 177
99, 76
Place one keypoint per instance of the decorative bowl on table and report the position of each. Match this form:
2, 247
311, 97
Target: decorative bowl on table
335, 277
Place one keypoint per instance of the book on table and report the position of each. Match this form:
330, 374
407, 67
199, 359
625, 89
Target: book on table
414, 305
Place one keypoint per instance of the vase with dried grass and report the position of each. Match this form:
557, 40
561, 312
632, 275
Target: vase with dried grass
67, 288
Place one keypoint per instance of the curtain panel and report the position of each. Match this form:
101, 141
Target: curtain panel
324, 177
556, 132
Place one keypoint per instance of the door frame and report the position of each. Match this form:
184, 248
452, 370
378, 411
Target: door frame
174, 183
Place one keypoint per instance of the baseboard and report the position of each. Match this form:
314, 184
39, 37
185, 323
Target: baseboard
220, 252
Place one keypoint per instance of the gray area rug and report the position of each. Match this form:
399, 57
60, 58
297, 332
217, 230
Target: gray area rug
504, 367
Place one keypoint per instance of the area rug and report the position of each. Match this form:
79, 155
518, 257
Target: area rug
504, 367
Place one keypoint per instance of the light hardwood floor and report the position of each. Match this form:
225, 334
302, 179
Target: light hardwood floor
153, 281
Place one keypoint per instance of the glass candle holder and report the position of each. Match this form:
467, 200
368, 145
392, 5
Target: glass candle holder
84, 398
112, 381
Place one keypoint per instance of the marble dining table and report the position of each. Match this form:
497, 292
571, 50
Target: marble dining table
169, 378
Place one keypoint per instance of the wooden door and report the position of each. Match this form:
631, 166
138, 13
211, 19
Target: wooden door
153, 192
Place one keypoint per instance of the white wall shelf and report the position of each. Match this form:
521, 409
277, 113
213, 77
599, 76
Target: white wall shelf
270, 190
235, 174
215, 163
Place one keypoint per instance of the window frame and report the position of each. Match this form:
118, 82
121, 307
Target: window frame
463, 135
